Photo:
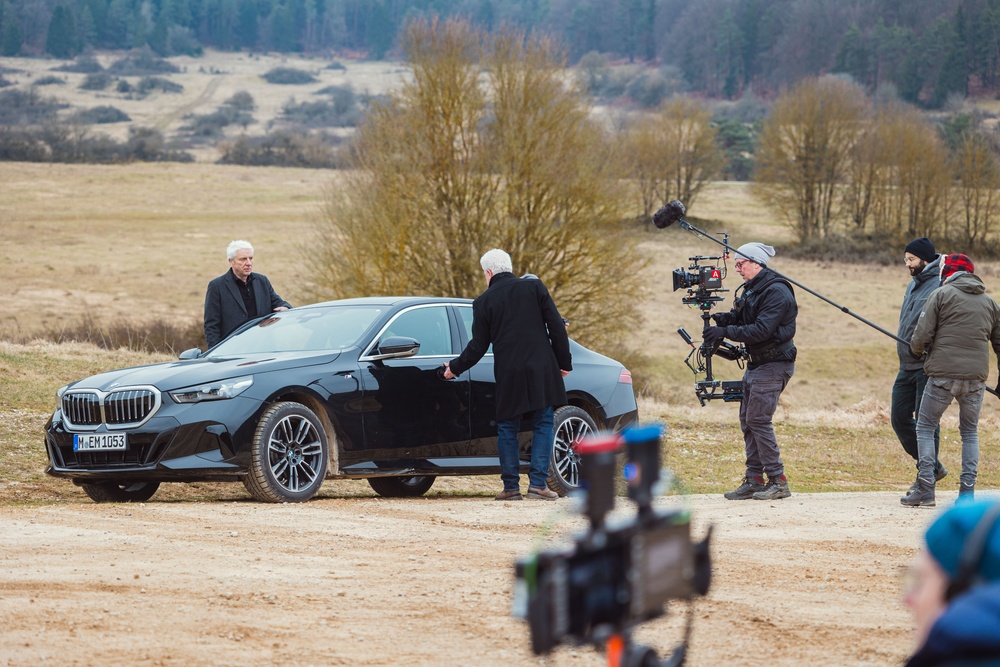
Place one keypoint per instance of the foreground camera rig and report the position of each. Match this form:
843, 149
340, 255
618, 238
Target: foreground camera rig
703, 282
614, 578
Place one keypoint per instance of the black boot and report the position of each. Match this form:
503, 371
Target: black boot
751, 485
921, 496
966, 492
776, 489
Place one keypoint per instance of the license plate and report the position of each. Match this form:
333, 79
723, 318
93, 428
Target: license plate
99, 442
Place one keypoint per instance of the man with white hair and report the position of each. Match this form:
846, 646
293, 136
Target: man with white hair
763, 318
531, 356
238, 295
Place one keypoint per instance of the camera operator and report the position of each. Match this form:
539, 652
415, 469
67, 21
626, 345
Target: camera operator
763, 318
923, 263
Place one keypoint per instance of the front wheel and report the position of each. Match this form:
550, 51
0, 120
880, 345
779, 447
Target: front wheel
401, 487
120, 492
288, 456
571, 424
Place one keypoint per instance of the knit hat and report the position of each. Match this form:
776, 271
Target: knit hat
947, 536
755, 252
952, 264
922, 248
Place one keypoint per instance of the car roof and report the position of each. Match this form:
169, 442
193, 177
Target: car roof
389, 301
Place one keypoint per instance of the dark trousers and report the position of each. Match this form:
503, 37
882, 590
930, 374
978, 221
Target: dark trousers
907, 392
761, 388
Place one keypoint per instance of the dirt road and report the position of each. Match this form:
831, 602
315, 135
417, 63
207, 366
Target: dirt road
813, 579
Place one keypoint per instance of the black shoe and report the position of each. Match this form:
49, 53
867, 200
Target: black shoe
921, 496
745, 491
776, 489
940, 472
912, 489
966, 491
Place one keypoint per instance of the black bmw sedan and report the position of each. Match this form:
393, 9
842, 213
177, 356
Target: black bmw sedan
338, 390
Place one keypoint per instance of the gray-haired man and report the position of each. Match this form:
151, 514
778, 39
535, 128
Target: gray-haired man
763, 318
238, 295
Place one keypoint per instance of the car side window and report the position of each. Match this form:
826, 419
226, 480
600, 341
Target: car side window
429, 326
466, 312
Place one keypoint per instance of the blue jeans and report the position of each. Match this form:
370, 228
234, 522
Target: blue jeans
907, 392
937, 397
541, 449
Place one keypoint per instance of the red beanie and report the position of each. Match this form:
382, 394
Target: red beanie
954, 263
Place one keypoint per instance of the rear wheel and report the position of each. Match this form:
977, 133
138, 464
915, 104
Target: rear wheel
288, 456
120, 492
401, 487
570, 425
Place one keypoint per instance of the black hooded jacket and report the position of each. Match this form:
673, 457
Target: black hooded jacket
763, 317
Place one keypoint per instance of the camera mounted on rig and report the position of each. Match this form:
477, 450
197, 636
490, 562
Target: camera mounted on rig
703, 281
614, 578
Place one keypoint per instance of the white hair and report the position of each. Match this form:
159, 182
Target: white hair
497, 261
236, 246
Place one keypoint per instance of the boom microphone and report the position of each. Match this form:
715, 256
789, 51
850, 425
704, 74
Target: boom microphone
669, 214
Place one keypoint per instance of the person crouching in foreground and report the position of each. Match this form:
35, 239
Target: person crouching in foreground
954, 592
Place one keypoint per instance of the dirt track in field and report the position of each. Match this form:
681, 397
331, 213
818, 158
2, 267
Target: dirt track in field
813, 579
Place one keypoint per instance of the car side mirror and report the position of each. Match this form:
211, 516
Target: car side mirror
192, 353
396, 347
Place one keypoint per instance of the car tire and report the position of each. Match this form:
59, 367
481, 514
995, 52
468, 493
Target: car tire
570, 424
120, 492
401, 487
288, 456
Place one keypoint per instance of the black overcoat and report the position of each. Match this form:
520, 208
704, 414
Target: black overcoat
530, 344
224, 307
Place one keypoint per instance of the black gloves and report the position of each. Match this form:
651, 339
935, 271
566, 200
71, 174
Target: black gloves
713, 335
717, 317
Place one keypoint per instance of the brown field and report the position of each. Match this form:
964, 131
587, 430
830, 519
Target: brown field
201, 576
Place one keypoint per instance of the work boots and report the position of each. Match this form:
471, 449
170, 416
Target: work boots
940, 472
922, 495
776, 489
966, 492
751, 484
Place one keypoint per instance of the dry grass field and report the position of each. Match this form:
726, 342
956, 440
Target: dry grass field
207, 82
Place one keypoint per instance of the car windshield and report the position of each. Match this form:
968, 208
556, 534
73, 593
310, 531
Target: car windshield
329, 328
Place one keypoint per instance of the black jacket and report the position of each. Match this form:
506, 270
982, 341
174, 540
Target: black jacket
224, 307
530, 344
763, 316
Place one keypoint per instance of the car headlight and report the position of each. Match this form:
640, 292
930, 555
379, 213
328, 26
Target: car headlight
213, 391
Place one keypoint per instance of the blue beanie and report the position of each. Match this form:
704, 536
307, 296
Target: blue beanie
946, 539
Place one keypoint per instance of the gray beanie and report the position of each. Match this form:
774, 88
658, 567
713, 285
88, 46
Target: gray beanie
755, 252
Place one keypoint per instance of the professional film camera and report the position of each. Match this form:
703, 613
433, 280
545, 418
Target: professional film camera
613, 578
703, 281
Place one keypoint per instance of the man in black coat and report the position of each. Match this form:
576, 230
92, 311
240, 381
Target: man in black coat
237, 296
763, 318
531, 357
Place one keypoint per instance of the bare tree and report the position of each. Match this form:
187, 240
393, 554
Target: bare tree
674, 153
805, 149
978, 190
486, 147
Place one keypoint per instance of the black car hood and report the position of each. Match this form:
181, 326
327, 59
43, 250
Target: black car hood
176, 374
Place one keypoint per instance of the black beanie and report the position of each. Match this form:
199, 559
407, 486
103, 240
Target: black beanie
922, 248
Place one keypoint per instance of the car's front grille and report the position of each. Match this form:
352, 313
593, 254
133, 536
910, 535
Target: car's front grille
142, 451
121, 408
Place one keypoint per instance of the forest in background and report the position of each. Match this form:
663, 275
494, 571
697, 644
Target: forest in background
927, 50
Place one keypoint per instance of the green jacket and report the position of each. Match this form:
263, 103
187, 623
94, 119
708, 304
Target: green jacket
958, 324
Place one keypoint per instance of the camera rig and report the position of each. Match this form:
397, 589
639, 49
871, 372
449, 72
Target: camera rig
614, 578
703, 282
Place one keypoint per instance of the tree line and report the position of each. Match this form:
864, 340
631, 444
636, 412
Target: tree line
926, 49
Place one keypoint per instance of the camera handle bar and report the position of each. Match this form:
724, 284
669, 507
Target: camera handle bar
691, 228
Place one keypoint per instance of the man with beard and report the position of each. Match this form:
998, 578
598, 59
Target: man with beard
763, 318
923, 263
